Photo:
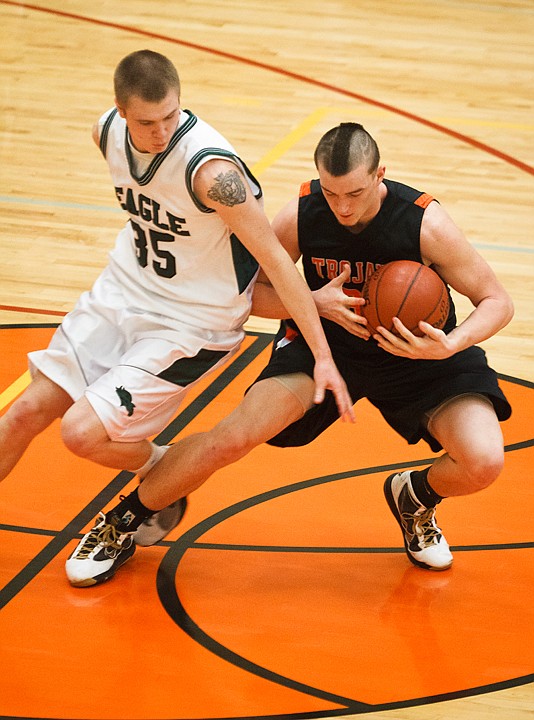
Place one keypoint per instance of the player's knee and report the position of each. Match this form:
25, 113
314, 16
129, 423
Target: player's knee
78, 433
484, 468
229, 446
29, 416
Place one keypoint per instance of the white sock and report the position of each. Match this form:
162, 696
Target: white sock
158, 451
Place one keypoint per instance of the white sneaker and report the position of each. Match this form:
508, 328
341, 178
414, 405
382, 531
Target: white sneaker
158, 526
423, 540
99, 554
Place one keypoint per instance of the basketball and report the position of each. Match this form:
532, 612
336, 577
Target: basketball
407, 290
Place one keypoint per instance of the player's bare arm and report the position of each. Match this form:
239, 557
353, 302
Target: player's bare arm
445, 248
220, 185
95, 134
228, 188
265, 300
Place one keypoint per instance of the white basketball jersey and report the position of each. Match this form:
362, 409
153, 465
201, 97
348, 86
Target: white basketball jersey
175, 256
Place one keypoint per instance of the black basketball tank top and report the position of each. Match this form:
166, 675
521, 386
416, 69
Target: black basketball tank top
326, 247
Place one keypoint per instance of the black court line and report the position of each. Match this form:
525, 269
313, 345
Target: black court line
333, 550
169, 597
74, 527
24, 326
515, 381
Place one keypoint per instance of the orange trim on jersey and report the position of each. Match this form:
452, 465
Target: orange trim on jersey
291, 333
305, 189
424, 200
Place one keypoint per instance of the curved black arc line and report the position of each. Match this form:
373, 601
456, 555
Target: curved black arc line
171, 602
458, 694
210, 522
73, 528
522, 445
166, 588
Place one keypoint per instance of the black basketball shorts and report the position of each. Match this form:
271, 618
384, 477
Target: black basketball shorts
402, 390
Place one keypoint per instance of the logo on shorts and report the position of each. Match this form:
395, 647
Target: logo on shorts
126, 400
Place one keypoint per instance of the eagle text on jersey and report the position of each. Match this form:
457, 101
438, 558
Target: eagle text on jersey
149, 210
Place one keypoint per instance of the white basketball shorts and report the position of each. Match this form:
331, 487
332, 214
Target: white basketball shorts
135, 368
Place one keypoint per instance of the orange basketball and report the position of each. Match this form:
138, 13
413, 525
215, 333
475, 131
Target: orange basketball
407, 290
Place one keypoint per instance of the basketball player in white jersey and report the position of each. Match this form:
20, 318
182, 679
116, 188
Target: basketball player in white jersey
169, 307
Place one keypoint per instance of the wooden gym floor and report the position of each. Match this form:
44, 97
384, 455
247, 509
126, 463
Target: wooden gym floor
285, 593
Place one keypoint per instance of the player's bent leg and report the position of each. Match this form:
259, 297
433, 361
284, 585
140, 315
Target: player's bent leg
289, 396
84, 435
268, 408
108, 545
32, 412
470, 433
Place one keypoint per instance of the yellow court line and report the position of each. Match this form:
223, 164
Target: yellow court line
269, 159
14, 389
290, 140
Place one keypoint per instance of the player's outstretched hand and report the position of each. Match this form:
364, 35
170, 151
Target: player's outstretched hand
334, 304
434, 345
327, 377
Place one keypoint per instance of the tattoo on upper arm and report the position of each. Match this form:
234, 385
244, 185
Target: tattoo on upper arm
228, 189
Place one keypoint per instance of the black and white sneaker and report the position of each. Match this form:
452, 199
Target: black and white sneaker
423, 540
159, 525
99, 554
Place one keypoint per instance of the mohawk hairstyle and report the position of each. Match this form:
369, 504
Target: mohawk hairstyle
345, 147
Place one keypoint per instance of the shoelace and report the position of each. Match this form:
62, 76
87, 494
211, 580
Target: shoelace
426, 528
107, 536
423, 526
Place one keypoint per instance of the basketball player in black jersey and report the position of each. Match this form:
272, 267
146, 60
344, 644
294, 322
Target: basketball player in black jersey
438, 387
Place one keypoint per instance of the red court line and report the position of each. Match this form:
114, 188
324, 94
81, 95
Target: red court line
14, 308
288, 73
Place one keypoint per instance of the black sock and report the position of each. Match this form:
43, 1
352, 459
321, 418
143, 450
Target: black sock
129, 513
423, 492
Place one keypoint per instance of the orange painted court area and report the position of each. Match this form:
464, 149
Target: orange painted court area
285, 592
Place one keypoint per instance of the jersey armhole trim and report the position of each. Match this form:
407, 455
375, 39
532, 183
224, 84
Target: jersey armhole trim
103, 142
205, 153
305, 189
424, 200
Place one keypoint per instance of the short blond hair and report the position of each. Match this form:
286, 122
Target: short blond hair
147, 75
